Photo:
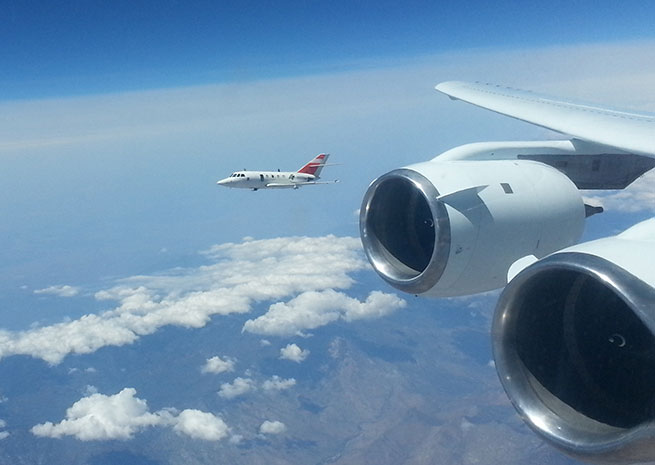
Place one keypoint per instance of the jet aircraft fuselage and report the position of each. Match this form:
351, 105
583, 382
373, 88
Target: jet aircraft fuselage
307, 175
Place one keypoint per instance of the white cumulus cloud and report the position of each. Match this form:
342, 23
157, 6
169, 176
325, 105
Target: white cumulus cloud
294, 353
90, 389
201, 425
3, 434
238, 387
272, 427
278, 384
313, 309
121, 416
104, 417
60, 291
217, 365
238, 276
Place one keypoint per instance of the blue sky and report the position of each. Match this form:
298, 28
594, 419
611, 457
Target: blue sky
129, 280
83, 47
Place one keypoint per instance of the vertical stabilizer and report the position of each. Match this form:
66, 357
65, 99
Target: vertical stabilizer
315, 166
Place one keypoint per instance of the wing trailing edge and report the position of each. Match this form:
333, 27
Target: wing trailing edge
627, 131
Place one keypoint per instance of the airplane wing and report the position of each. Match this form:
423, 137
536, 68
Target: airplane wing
280, 185
298, 184
628, 131
322, 182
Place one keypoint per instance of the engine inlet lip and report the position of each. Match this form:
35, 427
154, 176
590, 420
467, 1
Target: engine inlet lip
411, 282
577, 439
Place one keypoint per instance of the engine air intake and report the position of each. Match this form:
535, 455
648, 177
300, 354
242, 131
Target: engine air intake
575, 351
405, 231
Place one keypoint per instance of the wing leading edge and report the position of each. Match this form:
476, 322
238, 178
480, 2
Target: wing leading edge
624, 130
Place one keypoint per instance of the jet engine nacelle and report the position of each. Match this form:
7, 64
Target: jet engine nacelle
574, 346
447, 228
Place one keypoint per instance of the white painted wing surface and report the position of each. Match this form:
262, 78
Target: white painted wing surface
624, 130
299, 184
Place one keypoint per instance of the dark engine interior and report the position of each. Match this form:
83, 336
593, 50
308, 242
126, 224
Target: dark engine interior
400, 218
585, 346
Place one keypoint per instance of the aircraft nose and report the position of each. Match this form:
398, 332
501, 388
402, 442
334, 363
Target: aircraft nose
222, 182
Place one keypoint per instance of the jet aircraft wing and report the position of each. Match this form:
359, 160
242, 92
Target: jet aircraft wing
281, 185
624, 130
322, 182
298, 184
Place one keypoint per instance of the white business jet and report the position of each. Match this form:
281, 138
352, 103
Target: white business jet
309, 174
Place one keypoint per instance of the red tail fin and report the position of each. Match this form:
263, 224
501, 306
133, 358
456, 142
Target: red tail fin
315, 166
